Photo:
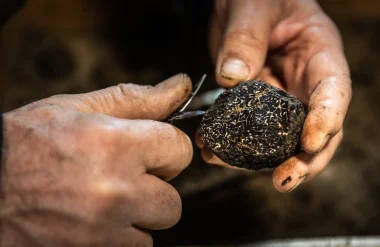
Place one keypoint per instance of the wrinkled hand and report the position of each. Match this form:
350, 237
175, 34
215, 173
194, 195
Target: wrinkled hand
81, 170
293, 45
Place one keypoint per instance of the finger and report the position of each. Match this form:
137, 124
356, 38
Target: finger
158, 204
242, 53
211, 158
130, 236
207, 154
132, 101
303, 167
320, 77
145, 201
169, 149
330, 100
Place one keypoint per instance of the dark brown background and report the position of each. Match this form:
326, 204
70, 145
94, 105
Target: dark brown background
75, 46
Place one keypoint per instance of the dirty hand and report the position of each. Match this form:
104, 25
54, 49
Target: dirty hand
293, 45
91, 169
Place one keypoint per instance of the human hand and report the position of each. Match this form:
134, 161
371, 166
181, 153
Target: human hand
293, 45
90, 169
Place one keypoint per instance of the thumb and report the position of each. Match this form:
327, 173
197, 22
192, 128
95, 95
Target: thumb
244, 44
130, 100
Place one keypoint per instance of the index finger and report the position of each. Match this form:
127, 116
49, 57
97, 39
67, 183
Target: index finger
161, 149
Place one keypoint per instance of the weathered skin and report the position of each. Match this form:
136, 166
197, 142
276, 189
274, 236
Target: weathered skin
254, 126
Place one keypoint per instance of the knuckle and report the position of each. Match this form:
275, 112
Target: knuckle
324, 117
314, 33
106, 131
113, 190
96, 132
58, 98
105, 196
104, 189
146, 135
133, 92
126, 89
180, 143
243, 37
131, 89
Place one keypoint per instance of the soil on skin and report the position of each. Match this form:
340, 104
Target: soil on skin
219, 205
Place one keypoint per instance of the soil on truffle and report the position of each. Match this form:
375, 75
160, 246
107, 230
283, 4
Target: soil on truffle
254, 125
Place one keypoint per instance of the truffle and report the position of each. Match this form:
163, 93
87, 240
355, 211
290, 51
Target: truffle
254, 125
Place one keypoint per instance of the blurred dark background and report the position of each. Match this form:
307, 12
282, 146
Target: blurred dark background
52, 47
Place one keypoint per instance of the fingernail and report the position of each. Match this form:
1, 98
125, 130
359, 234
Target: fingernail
300, 180
234, 69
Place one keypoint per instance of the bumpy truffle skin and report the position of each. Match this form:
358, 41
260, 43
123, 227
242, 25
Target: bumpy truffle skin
254, 126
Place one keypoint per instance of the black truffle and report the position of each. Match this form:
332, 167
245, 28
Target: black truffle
254, 126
